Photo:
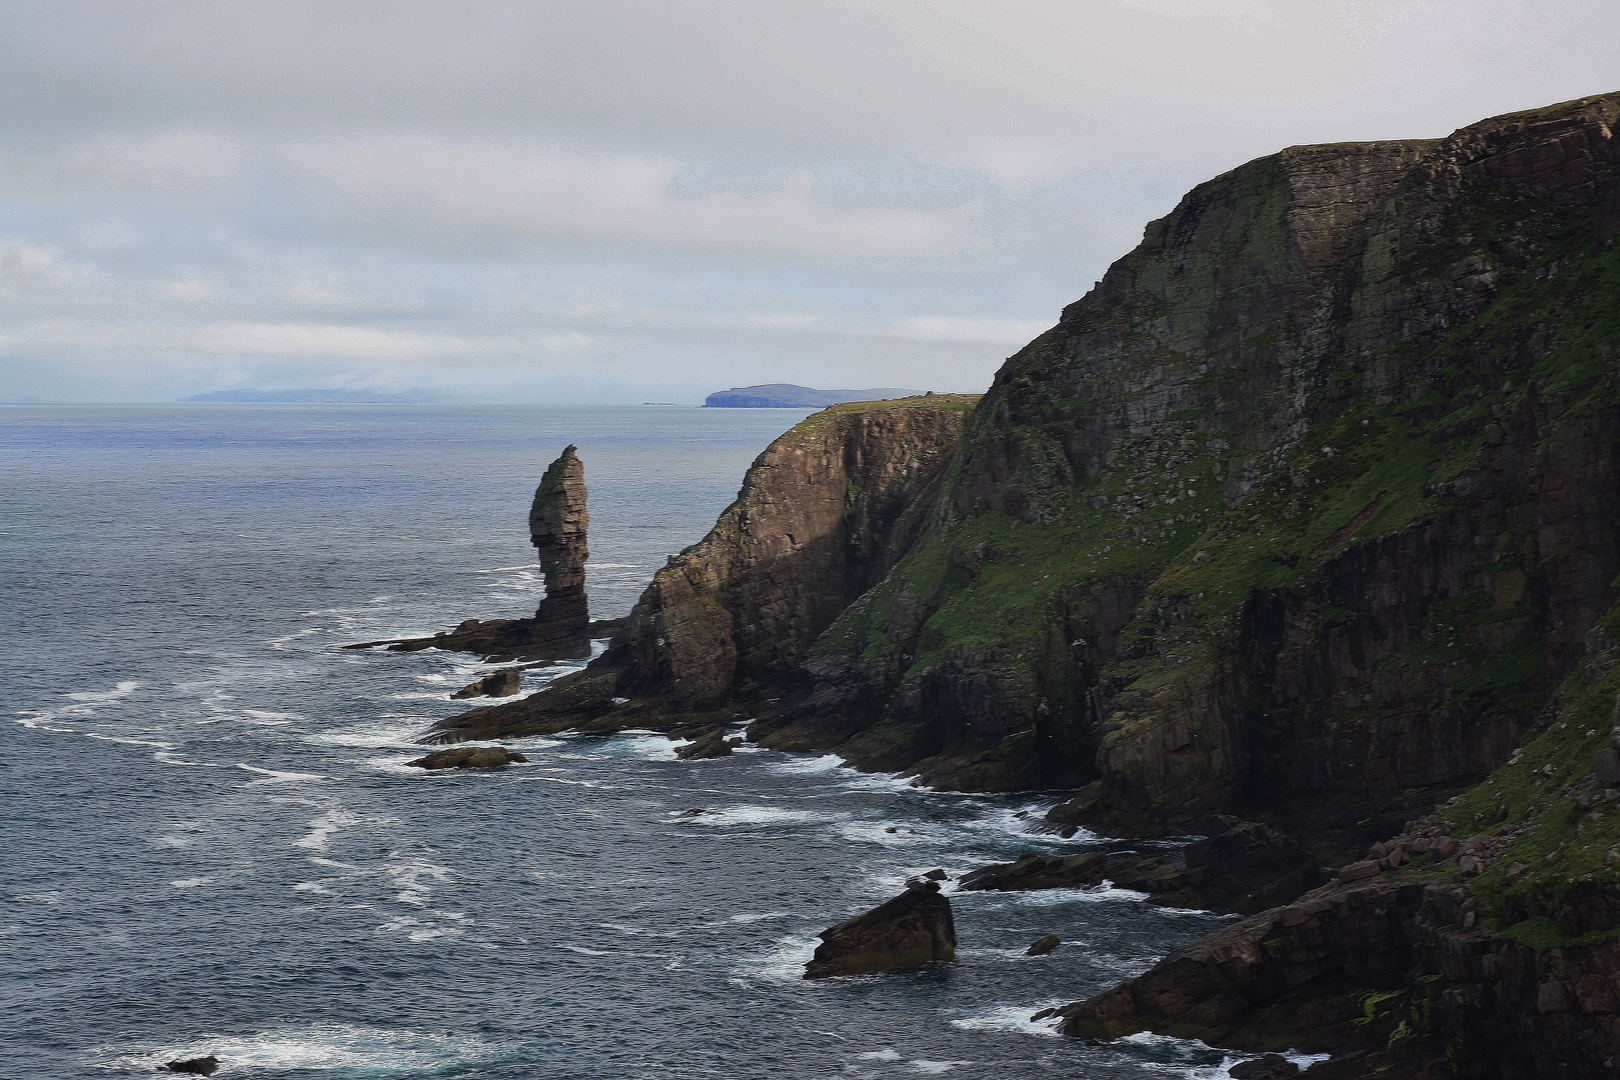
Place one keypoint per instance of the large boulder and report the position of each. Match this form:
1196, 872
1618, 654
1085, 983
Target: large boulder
197, 1066
468, 757
913, 929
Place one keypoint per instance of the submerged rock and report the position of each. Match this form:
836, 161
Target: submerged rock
1270, 1067
913, 929
468, 757
503, 683
197, 1066
1044, 946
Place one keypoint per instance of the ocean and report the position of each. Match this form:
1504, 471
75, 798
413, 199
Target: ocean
211, 843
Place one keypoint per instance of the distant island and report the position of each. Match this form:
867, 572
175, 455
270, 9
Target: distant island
314, 396
788, 396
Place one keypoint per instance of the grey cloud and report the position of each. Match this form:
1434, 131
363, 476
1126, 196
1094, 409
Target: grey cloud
554, 200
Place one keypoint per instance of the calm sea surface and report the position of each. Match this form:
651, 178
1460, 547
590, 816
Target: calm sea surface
209, 842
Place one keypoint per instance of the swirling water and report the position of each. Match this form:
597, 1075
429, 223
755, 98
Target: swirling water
211, 843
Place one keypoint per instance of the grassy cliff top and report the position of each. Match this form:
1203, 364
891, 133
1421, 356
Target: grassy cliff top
960, 402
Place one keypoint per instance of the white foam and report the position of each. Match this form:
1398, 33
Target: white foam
128, 741
572, 783
1012, 1018
322, 828
756, 815
417, 930
886, 1054
170, 759
353, 1049
318, 861
121, 690
191, 882
583, 951
275, 775
783, 962
312, 887
411, 878
268, 718
934, 1068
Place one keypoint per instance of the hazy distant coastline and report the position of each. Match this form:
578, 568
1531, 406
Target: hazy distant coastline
789, 396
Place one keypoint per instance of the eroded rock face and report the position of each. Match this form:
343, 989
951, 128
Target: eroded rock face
823, 515
558, 522
913, 929
468, 757
1294, 516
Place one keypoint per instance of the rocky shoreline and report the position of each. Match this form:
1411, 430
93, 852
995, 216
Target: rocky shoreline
1304, 519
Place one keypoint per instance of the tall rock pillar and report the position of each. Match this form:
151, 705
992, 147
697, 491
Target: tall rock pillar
557, 523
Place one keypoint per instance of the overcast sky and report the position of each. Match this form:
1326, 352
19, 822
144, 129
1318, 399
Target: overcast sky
622, 200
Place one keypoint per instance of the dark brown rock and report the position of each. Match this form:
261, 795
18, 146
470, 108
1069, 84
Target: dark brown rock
913, 929
1031, 871
558, 523
712, 745
1270, 1067
468, 757
1044, 946
197, 1066
503, 683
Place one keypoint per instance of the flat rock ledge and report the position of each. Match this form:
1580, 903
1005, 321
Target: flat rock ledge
468, 757
913, 929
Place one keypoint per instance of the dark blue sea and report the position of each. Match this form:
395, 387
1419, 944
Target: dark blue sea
210, 843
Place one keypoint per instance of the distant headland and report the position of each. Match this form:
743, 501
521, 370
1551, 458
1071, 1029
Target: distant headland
788, 396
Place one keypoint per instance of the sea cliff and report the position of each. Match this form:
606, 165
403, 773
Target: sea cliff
1308, 514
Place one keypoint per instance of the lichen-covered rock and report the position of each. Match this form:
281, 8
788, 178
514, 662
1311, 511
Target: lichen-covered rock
913, 929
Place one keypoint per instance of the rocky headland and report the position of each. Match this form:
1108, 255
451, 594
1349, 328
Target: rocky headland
1306, 517
823, 515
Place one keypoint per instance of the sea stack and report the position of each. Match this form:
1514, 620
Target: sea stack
557, 525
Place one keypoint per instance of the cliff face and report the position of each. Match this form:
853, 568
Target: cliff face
1303, 511
824, 513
